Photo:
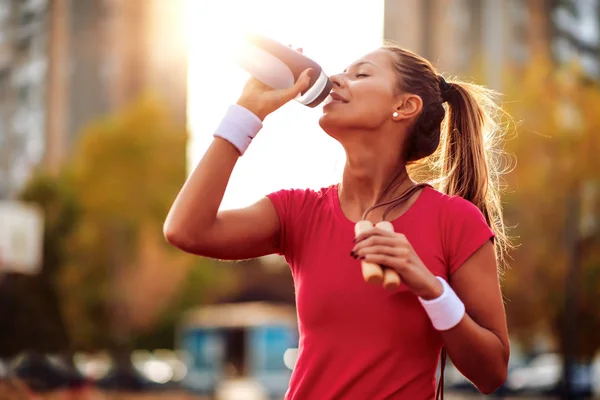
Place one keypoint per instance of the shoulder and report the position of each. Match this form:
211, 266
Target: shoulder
303, 195
296, 201
453, 208
297, 209
462, 227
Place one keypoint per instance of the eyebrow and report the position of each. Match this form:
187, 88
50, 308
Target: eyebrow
359, 64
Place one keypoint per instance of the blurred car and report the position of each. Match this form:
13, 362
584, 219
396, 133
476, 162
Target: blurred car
595, 373
543, 376
242, 388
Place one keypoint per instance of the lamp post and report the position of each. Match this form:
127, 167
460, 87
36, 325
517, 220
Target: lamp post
569, 119
571, 333
580, 226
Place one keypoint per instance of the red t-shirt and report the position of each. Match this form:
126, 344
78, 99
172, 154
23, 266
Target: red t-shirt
356, 340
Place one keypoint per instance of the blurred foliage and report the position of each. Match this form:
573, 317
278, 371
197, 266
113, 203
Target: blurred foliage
558, 119
109, 280
31, 310
121, 274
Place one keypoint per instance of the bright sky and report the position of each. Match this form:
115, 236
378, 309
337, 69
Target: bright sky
291, 150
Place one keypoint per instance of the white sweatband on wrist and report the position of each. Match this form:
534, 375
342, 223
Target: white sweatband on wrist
446, 311
238, 127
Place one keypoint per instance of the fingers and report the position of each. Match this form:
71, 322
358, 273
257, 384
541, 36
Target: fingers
376, 241
378, 249
301, 84
381, 248
387, 243
385, 260
378, 232
299, 49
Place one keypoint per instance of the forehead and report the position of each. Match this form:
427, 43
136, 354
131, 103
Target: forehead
379, 58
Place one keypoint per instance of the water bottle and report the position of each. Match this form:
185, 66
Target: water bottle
279, 66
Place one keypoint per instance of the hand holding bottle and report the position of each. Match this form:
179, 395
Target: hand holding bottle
262, 99
280, 74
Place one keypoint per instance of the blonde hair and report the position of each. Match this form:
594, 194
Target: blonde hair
457, 144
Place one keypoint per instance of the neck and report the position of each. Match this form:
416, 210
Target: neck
367, 176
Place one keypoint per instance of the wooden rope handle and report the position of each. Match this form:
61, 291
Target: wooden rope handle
391, 279
373, 273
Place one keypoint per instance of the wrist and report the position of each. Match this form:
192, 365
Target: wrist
445, 311
251, 106
239, 126
434, 289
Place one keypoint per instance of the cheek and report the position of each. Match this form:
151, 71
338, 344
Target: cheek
370, 111
373, 100
356, 115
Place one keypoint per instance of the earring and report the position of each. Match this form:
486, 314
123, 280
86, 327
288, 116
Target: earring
395, 114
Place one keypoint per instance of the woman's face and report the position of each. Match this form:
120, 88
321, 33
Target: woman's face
363, 96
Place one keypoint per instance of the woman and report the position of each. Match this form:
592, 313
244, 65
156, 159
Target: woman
359, 341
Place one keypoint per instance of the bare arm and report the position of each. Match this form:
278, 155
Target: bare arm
479, 345
194, 223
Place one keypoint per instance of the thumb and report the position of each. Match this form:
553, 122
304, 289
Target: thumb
300, 85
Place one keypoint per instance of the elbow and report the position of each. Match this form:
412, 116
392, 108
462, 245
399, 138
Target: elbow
172, 235
193, 238
495, 377
494, 381
177, 237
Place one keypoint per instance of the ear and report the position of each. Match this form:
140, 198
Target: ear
408, 106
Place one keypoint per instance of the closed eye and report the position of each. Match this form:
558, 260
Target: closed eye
361, 75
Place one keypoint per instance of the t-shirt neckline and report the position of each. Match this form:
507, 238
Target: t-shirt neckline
337, 206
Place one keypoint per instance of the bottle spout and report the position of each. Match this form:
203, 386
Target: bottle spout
318, 92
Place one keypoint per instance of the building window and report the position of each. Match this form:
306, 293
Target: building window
519, 18
35, 5
4, 10
26, 18
24, 43
577, 35
24, 95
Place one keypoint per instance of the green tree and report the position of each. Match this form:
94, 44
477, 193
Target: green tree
556, 151
122, 279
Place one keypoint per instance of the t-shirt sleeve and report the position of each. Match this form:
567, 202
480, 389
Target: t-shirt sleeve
294, 208
291, 206
282, 201
465, 231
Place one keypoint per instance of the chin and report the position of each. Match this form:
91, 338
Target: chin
338, 124
333, 118
333, 125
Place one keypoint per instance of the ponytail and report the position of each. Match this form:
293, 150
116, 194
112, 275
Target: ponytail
468, 158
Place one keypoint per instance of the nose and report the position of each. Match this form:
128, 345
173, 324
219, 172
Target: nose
337, 80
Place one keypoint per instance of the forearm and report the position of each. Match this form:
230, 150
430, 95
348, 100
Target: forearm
478, 353
195, 209
198, 202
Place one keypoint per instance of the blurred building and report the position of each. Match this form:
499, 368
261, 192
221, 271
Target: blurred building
575, 33
463, 36
64, 63
23, 66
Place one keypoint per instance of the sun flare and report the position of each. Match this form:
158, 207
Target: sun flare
291, 150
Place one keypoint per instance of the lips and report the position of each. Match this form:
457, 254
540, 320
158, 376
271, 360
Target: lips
337, 98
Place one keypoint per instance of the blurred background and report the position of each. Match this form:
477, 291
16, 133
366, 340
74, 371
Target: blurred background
105, 105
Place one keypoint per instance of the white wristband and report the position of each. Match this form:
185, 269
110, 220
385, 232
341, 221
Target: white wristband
238, 127
446, 311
